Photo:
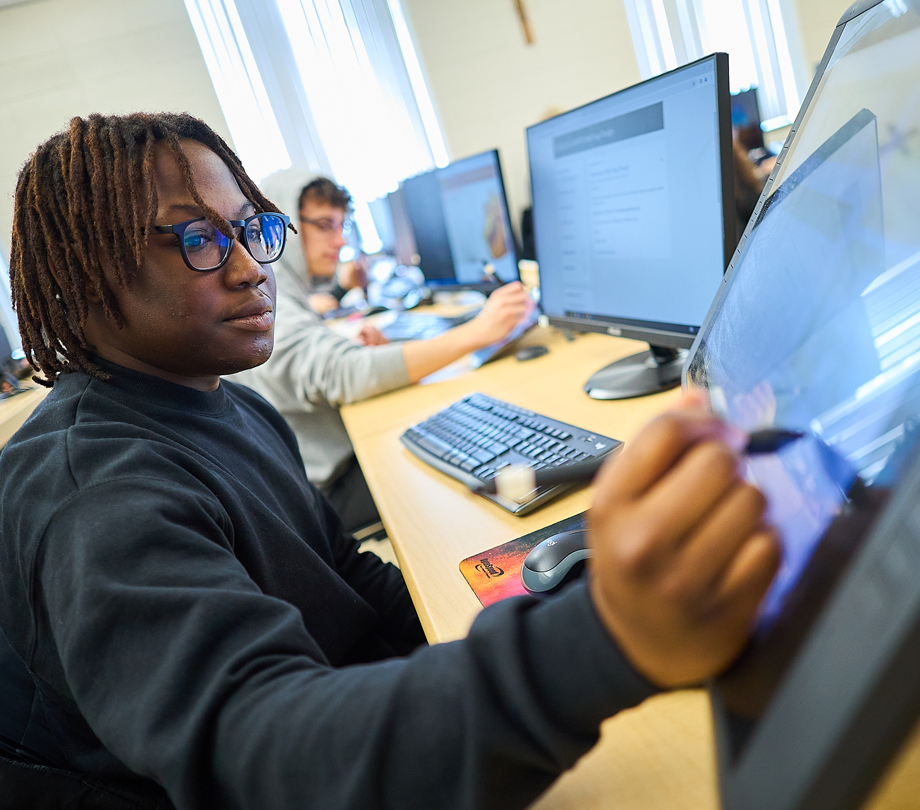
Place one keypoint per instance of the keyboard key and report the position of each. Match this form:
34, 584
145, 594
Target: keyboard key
436, 446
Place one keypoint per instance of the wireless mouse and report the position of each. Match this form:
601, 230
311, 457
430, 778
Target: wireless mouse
529, 352
551, 560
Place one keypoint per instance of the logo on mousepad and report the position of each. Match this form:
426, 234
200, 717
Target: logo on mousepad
495, 573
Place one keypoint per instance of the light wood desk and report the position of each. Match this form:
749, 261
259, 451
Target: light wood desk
660, 755
433, 521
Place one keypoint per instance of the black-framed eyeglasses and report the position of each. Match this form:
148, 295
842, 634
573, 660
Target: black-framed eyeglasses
330, 226
205, 248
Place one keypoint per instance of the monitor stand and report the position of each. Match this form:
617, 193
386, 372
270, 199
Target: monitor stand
657, 369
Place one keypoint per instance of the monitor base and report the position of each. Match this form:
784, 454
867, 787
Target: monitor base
649, 372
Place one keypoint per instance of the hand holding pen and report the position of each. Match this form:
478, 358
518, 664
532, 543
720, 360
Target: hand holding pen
682, 553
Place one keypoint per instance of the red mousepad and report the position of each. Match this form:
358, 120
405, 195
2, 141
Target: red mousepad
495, 573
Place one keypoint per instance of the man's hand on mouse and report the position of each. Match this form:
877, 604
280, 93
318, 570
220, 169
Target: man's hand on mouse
504, 310
682, 555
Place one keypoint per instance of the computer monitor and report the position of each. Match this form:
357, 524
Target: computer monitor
459, 218
6, 351
634, 218
746, 119
816, 328
393, 227
383, 223
8, 383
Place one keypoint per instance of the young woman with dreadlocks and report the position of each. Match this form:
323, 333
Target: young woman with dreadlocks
196, 628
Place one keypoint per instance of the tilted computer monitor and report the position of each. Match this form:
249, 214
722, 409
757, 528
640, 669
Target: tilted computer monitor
459, 219
403, 239
816, 328
633, 214
393, 228
6, 351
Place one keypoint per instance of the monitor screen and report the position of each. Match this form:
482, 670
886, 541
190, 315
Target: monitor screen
629, 207
634, 220
459, 218
817, 327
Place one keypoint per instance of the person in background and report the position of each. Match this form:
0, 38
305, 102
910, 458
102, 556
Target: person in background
748, 186
313, 370
324, 232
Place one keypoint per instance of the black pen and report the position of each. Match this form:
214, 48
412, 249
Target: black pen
518, 482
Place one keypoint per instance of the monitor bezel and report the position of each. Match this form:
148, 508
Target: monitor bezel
661, 334
453, 285
830, 731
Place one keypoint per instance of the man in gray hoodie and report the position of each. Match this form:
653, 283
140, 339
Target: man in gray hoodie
313, 371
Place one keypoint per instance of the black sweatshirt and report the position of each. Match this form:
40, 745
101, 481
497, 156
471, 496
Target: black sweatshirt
192, 612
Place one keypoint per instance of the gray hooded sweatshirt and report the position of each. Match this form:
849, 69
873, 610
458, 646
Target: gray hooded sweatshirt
313, 371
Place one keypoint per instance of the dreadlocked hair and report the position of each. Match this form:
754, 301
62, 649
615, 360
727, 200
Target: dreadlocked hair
85, 203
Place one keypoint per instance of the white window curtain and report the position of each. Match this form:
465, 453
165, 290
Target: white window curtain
758, 35
367, 109
238, 83
336, 82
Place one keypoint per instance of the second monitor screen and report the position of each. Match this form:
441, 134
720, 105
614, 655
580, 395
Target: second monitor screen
461, 225
627, 198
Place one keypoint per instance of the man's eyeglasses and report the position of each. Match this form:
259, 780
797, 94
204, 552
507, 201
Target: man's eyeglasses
330, 226
206, 248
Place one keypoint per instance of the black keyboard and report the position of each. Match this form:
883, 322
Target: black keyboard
476, 437
422, 327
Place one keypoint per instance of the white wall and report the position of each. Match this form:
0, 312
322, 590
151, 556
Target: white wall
488, 85
60, 58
